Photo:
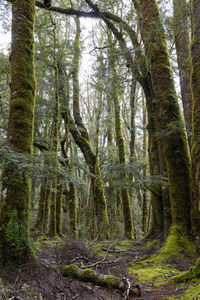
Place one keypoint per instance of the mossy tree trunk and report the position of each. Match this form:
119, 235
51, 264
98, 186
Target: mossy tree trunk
182, 43
71, 197
145, 200
64, 95
161, 212
195, 81
167, 113
59, 204
132, 130
39, 226
81, 137
53, 204
127, 210
14, 211
157, 224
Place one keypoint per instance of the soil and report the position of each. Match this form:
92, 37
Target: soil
42, 280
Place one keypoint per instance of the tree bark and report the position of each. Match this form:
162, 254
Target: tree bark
195, 83
182, 43
89, 275
14, 213
53, 213
81, 138
167, 114
144, 192
127, 210
157, 224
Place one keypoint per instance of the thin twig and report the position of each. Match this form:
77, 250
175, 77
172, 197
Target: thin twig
113, 250
98, 262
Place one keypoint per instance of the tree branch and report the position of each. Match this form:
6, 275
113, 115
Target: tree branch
68, 11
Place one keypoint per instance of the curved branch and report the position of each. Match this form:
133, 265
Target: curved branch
68, 11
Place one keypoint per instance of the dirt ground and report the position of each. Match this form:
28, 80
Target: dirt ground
42, 280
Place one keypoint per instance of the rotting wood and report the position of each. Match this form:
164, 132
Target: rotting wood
108, 281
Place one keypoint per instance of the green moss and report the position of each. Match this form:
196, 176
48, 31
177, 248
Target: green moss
97, 248
118, 245
15, 245
111, 281
152, 274
192, 274
150, 244
192, 293
88, 275
70, 270
176, 246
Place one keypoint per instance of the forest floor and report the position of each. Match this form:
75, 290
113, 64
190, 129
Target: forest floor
124, 259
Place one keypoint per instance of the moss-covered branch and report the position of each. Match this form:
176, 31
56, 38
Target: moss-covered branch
89, 275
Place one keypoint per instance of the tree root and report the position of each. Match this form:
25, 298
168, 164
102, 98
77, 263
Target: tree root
109, 281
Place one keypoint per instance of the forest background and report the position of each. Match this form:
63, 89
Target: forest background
104, 151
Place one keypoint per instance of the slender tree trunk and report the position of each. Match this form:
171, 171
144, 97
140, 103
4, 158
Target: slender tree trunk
195, 81
145, 201
127, 210
132, 132
53, 213
47, 206
82, 139
64, 92
14, 211
182, 42
73, 211
167, 114
59, 204
39, 226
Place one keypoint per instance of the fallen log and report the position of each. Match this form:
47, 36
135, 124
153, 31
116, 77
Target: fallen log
109, 281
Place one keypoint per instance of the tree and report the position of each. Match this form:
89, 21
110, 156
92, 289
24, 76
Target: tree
182, 42
195, 79
127, 210
14, 217
167, 113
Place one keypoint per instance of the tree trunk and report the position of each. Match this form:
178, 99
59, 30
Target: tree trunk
14, 216
64, 93
81, 138
157, 224
195, 81
182, 42
39, 226
59, 204
144, 193
167, 114
127, 210
53, 213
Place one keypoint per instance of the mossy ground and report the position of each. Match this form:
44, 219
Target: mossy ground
45, 241
112, 245
155, 278
157, 269
192, 293
154, 274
